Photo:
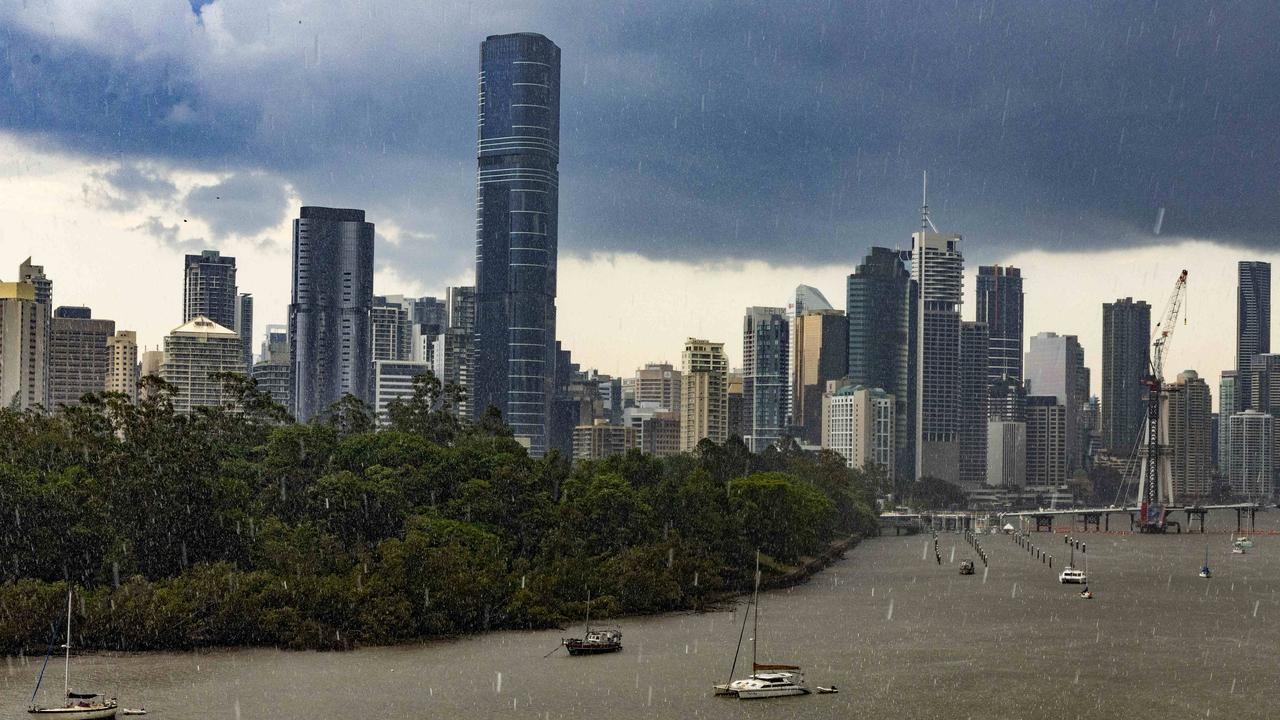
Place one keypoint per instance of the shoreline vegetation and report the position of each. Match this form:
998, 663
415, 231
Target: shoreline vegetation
236, 526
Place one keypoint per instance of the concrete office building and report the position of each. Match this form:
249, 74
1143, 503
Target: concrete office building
704, 398
883, 314
1006, 454
807, 299
517, 211
857, 423
1046, 442
24, 358
655, 383
999, 294
1126, 355
1190, 437
938, 267
392, 381
821, 348
1055, 366
974, 398
766, 337
601, 440
330, 334
80, 357
1227, 399
1252, 466
194, 354
122, 364
1253, 324
209, 288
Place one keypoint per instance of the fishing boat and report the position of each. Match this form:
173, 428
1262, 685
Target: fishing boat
594, 641
766, 680
1204, 569
78, 706
1243, 541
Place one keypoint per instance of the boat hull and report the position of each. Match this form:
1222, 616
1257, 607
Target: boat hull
75, 713
592, 649
762, 693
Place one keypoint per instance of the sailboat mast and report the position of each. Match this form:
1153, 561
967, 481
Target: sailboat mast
66, 677
755, 627
588, 610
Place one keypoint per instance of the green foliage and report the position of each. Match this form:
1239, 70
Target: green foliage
237, 525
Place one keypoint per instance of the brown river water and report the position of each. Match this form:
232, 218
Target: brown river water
900, 635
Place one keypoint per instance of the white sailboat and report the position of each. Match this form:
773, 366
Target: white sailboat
78, 706
766, 679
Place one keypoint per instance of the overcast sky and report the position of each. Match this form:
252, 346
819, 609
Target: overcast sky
714, 155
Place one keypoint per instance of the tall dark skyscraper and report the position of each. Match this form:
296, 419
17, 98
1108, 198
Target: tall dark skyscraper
974, 353
766, 337
1126, 354
1000, 307
1253, 324
209, 288
882, 314
330, 333
938, 266
517, 205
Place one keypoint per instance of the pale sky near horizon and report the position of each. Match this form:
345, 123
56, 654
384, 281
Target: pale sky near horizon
712, 156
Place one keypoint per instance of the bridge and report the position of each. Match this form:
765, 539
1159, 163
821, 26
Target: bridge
1100, 518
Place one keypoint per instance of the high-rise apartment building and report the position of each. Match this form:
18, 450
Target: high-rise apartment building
244, 326
79, 358
972, 426
1227, 399
122, 364
766, 337
704, 399
657, 384
391, 318
601, 440
883, 313
857, 422
1253, 323
1055, 366
1252, 459
34, 274
460, 303
24, 358
738, 426
807, 299
1190, 437
194, 354
451, 362
1046, 442
938, 267
209, 288
1126, 354
1000, 307
821, 350
274, 373
330, 336
517, 205
1006, 453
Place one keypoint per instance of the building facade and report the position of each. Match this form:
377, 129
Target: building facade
659, 384
883, 314
1055, 366
194, 354
1253, 323
24, 356
1227, 399
1046, 442
80, 358
820, 339
517, 210
857, 423
34, 274
704, 397
766, 338
330, 335
1006, 453
601, 440
122, 364
1000, 307
1252, 460
244, 326
1126, 355
1190, 438
938, 267
392, 381
209, 288
974, 397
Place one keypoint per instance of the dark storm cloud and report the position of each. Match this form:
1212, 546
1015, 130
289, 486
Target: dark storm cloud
242, 205
792, 132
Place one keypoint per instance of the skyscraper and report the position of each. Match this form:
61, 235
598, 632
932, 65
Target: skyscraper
1253, 323
1251, 452
820, 339
704, 401
274, 372
658, 384
857, 423
1227, 389
972, 424
807, 299
329, 328
882, 312
34, 274
1000, 307
1126, 354
122, 364
194, 354
209, 288
24, 359
1189, 437
1055, 366
766, 337
460, 302
517, 206
392, 322
79, 358
1046, 442
244, 326
938, 267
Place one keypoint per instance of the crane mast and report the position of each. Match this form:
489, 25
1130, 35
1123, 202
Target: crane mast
1155, 432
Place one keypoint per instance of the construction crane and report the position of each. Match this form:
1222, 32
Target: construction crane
1155, 476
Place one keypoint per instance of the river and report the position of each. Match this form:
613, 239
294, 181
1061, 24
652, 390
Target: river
901, 636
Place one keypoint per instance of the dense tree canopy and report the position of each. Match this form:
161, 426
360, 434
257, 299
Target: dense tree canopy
236, 525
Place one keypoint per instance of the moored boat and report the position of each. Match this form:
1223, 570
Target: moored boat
766, 679
78, 706
595, 642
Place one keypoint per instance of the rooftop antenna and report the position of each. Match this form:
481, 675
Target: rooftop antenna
925, 222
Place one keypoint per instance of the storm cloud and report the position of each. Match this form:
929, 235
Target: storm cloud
786, 132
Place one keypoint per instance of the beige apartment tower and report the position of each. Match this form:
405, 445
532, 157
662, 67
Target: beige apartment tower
24, 358
122, 364
704, 399
79, 356
1190, 430
658, 383
193, 354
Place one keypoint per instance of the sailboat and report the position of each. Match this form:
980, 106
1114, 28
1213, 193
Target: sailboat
766, 679
79, 706
1204, 569
594, 642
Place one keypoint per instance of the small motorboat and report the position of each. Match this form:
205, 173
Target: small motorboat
1244, 541
1072, 575
595, 642
966, 567
827, 690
